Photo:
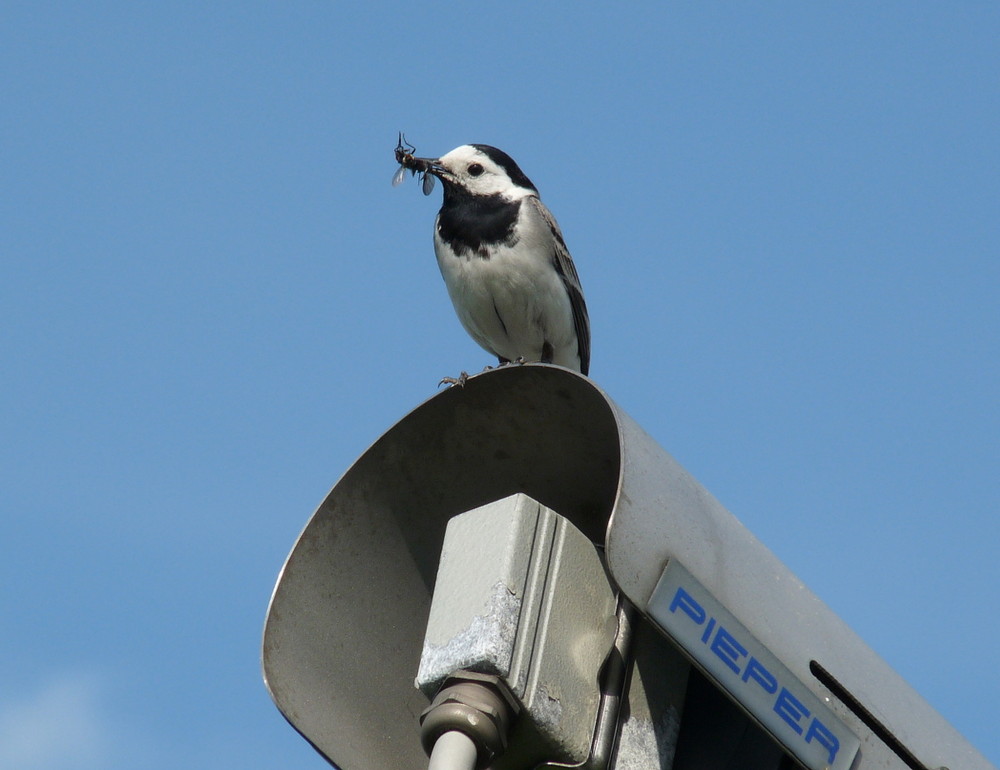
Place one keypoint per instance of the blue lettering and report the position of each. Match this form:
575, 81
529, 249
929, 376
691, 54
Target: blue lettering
790, 709
708, 630
755, 670
728, 649
823, 737
686, 603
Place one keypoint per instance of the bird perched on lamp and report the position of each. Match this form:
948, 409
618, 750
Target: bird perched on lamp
503, 258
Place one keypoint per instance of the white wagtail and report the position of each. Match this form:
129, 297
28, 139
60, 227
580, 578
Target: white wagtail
503, 258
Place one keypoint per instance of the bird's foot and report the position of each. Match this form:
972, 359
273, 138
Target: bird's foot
459, 381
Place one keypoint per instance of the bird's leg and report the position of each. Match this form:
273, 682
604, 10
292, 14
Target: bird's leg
460, 380
547, 352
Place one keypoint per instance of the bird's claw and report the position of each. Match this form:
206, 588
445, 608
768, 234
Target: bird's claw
459, 381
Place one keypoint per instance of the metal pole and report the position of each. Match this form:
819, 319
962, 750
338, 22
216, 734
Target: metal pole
453, 750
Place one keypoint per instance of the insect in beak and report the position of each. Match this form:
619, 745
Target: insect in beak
407, 161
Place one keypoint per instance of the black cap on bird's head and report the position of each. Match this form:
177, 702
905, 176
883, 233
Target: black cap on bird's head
507, 163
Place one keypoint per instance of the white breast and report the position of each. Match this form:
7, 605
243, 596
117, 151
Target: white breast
513, 301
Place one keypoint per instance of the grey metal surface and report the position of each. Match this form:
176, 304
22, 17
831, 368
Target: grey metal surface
522, 594
489, 569
651, 717
344, 631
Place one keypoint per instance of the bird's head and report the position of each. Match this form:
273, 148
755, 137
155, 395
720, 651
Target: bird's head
478, 170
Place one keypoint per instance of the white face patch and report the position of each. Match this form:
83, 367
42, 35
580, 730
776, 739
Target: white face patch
475, 171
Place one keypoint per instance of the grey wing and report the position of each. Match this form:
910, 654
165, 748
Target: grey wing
563, 263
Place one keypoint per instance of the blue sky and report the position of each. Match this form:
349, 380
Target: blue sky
784, 216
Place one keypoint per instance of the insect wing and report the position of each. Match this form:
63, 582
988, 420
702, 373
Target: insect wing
428, 184
399, 176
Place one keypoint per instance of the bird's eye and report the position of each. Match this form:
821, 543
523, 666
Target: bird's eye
475, 169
